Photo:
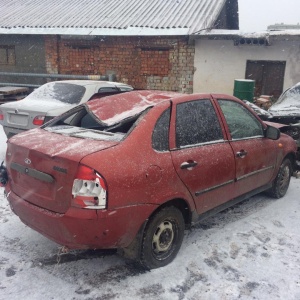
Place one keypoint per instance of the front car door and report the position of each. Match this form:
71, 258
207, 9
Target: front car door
255, 155
201, 153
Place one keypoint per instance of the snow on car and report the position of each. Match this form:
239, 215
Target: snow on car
288, 104
285, 111
132, 171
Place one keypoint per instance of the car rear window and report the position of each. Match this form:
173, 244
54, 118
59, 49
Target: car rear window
80, 122
63, 92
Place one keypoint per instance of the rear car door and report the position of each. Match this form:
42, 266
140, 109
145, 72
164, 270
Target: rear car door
255, 155
201, 154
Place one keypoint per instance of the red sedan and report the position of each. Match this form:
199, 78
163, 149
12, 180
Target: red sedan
132, 171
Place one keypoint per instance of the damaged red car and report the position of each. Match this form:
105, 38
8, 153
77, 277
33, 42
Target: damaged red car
133, 171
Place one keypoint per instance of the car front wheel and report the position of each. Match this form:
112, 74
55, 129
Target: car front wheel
162, 238
281, 183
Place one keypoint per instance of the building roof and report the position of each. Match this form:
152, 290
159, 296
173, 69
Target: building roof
283, 26
233, 34
108, 17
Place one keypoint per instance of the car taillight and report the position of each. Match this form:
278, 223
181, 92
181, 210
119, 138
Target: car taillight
89, 189
38, 120
1, 115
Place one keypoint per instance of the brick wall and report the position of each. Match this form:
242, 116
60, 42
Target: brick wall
146, 62
51, 52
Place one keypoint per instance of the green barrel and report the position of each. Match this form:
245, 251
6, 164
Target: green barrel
244, 89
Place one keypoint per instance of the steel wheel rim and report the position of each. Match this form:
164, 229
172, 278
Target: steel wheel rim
284, 178
162, 239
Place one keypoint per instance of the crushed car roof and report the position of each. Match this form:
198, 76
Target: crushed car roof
113, 109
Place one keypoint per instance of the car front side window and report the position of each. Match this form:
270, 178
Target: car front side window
241, 122
197, 123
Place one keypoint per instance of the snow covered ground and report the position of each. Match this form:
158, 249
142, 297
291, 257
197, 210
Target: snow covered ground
250, 251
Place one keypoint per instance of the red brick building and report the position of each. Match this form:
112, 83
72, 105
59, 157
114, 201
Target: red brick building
142, 43
165, 63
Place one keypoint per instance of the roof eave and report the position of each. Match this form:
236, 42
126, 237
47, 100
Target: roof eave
227, 34
130, 31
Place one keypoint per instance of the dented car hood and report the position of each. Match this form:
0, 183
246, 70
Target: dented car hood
288, 103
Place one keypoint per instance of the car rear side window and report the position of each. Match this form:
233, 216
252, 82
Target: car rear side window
197, 123
241, 122
160, 136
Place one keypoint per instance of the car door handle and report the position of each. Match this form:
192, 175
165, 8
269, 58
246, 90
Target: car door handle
241, 153
188, 164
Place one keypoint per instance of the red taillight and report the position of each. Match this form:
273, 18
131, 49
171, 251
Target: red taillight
89, 189
1, 115
86, 173
38, 120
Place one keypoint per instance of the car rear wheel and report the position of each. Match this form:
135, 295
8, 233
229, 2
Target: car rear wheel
162, 238
282, 180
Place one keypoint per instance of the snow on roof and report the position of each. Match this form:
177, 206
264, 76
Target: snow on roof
226, 33
102, 17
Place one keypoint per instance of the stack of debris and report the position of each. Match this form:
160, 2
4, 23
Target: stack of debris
12, 93
264, 101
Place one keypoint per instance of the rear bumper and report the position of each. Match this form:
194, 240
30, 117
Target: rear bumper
11, 131
83, 228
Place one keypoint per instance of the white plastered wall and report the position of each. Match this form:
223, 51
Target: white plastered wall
218, 63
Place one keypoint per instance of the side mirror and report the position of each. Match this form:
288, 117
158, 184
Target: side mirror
272, 133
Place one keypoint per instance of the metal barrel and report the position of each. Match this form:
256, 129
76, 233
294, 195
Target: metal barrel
244, 89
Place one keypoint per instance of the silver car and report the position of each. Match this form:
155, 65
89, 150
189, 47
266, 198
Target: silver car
51, 100
286, 110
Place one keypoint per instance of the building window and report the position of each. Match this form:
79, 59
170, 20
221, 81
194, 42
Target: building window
155, 62
7, 55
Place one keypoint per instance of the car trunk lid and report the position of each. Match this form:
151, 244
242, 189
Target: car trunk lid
21, 114
42, 166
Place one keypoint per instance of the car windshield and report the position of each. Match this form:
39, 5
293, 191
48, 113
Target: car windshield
290, 99
59, 91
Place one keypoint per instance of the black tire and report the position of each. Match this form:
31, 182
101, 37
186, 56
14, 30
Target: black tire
282, 181
162, 238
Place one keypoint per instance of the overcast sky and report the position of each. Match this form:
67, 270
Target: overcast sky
256, 15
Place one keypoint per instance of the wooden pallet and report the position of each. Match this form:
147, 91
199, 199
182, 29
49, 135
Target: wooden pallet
12, 93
